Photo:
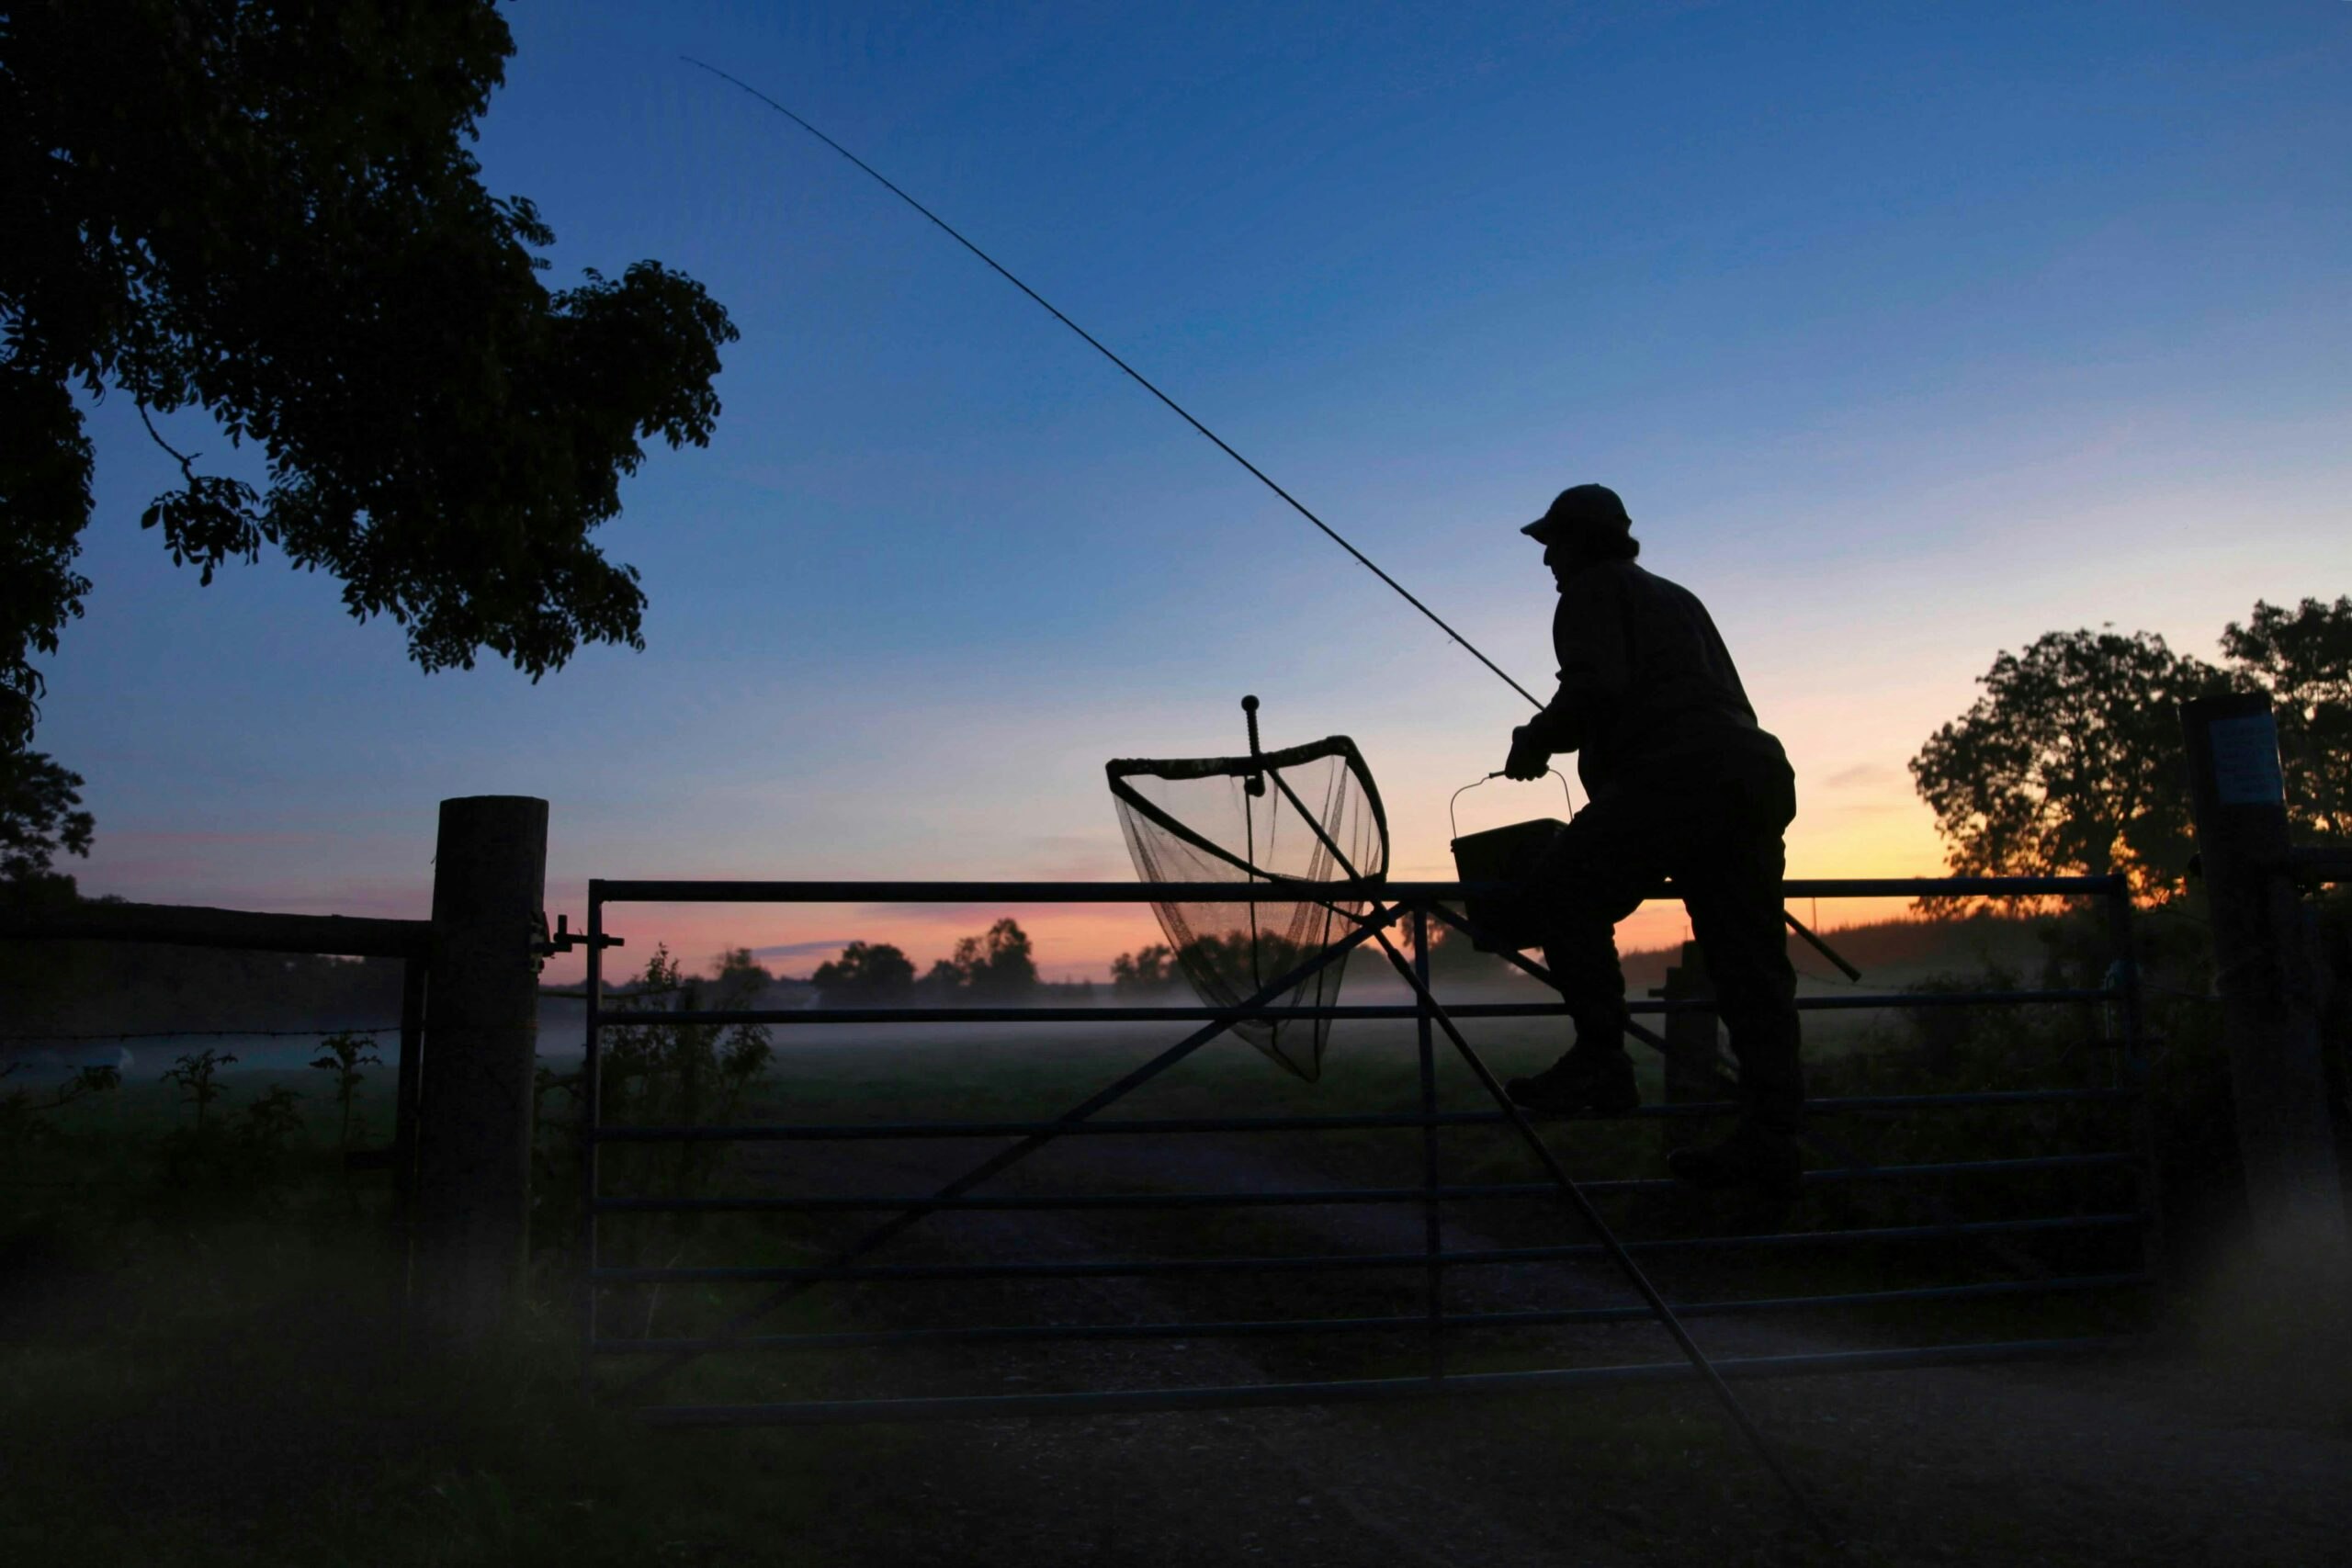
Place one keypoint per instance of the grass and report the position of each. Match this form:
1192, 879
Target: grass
201, 1358
211, 1367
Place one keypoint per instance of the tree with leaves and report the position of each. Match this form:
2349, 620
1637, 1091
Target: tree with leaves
866, 973
737, 976
270, 214
40, 819
997, 964
2302, 659
1151, 967
2071, 763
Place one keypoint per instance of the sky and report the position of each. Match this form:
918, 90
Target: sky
1909, 333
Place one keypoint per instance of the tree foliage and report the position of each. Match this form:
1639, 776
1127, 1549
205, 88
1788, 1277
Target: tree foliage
270, 213
661, 1073
2303, 659
738, 973
997, 964
38, 819
1151, 967
994, 966
2072, 762
866, 973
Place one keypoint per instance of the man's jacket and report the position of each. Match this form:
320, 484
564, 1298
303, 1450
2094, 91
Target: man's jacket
1647, 690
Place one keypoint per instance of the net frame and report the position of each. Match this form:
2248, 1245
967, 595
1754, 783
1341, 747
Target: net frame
1318, 916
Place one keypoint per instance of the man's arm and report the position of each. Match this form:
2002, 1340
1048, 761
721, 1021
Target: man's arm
1588, 636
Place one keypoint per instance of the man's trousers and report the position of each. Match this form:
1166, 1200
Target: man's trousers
1713, 828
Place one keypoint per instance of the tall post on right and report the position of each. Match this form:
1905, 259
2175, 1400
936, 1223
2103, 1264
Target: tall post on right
2266, 970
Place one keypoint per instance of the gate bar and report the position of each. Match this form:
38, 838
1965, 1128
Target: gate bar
821, 1132
1312, 1197
1843, 1153
1340, 1262
847, 1411
1284, 892
1029, 1144
1263, 1327
1085, 1012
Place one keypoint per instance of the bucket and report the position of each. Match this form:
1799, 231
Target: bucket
1503, 922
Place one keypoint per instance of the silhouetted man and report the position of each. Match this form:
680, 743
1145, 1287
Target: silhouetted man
1684, 785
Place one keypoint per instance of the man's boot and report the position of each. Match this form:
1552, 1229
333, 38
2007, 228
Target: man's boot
1596, 1082
1754, 1157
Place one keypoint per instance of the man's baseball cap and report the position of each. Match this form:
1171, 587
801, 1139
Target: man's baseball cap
1579, 506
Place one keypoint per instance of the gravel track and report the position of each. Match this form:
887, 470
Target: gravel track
2163, 1459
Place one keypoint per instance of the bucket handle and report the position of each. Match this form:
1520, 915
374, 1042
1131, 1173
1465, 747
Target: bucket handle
1474, 783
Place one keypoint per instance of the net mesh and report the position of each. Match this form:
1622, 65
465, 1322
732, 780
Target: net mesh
1318, 817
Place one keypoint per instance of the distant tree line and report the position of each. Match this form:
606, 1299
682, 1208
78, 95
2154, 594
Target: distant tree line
997, 965
1245, 960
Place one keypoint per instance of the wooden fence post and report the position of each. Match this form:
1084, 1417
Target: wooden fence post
2266, 965
471, 1204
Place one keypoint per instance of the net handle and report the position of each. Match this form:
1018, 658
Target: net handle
1254, 784
1450, 821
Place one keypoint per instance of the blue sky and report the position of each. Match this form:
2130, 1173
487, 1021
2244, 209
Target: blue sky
1908, 333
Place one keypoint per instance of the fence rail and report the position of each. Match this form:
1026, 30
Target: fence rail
259, 931
193, 925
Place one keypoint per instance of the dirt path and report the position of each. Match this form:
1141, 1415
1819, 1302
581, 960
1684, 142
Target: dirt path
2159, 1460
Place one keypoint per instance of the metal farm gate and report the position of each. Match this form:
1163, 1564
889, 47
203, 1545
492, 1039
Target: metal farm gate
2096, 1191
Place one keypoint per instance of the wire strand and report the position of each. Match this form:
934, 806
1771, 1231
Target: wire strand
201, 1034
1136, 376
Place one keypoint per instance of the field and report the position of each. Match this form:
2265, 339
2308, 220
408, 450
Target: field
206, 1362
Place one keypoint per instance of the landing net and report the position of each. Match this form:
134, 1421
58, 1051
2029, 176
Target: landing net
1307, 814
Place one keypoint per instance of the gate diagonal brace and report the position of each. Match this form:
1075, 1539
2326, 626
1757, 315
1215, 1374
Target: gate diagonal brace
1368, 927
1821, 947
1583, 1205
2023, 1265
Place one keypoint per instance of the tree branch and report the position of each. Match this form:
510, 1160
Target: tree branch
186, 460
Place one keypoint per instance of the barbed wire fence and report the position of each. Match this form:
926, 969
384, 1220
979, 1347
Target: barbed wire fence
114, 1035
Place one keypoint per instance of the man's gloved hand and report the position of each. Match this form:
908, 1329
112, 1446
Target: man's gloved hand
1527, 759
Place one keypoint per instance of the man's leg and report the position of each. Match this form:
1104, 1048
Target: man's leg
1592, 876
1733, 891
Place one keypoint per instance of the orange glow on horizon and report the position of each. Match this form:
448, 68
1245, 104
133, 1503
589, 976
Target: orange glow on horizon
1078, 942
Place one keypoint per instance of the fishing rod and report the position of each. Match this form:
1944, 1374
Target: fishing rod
1185, 414
1139, 379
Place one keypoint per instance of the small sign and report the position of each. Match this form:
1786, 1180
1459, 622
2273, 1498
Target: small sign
2246, 761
